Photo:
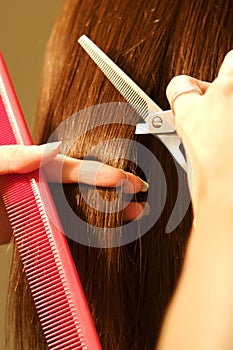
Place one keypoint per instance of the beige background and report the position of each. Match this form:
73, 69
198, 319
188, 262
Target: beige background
24, 30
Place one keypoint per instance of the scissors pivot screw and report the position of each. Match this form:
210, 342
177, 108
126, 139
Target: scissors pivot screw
157, 122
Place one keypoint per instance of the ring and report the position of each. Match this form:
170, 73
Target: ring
185, 90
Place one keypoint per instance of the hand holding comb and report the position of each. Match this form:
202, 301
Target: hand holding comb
55, 286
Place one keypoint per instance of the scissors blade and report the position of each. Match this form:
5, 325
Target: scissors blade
125, 85
173, 143
159, 122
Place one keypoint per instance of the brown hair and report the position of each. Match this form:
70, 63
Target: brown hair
127, 287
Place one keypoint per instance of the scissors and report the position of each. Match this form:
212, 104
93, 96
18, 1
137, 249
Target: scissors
156, 121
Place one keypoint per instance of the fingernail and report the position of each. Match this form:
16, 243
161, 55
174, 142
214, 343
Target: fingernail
51, 147
146, 210
145, 186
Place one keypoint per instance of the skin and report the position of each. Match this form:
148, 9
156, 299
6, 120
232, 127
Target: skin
203, 121
201, 313
24, 159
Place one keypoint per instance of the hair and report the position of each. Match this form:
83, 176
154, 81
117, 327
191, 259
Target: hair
127, 287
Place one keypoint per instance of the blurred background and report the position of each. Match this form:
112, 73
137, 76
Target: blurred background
24, 30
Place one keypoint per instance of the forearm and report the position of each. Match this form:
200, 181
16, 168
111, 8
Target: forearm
201, 313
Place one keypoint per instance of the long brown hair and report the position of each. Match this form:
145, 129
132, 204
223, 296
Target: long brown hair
128, 287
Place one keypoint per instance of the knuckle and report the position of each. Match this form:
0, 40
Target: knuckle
176, 81
224, 86
179, 83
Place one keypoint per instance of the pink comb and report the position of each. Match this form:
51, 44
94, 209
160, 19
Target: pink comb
50, 270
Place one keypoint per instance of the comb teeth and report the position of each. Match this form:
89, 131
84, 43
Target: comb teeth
48, 264
125, 85
43, 268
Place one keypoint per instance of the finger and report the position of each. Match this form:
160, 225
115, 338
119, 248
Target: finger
24, 159
184, 90
135, 211
226, 68
69, 170
223, 84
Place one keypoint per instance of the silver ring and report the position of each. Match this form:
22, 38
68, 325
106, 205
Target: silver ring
185, 90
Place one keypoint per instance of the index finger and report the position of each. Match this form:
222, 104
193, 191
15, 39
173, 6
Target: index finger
70, 170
